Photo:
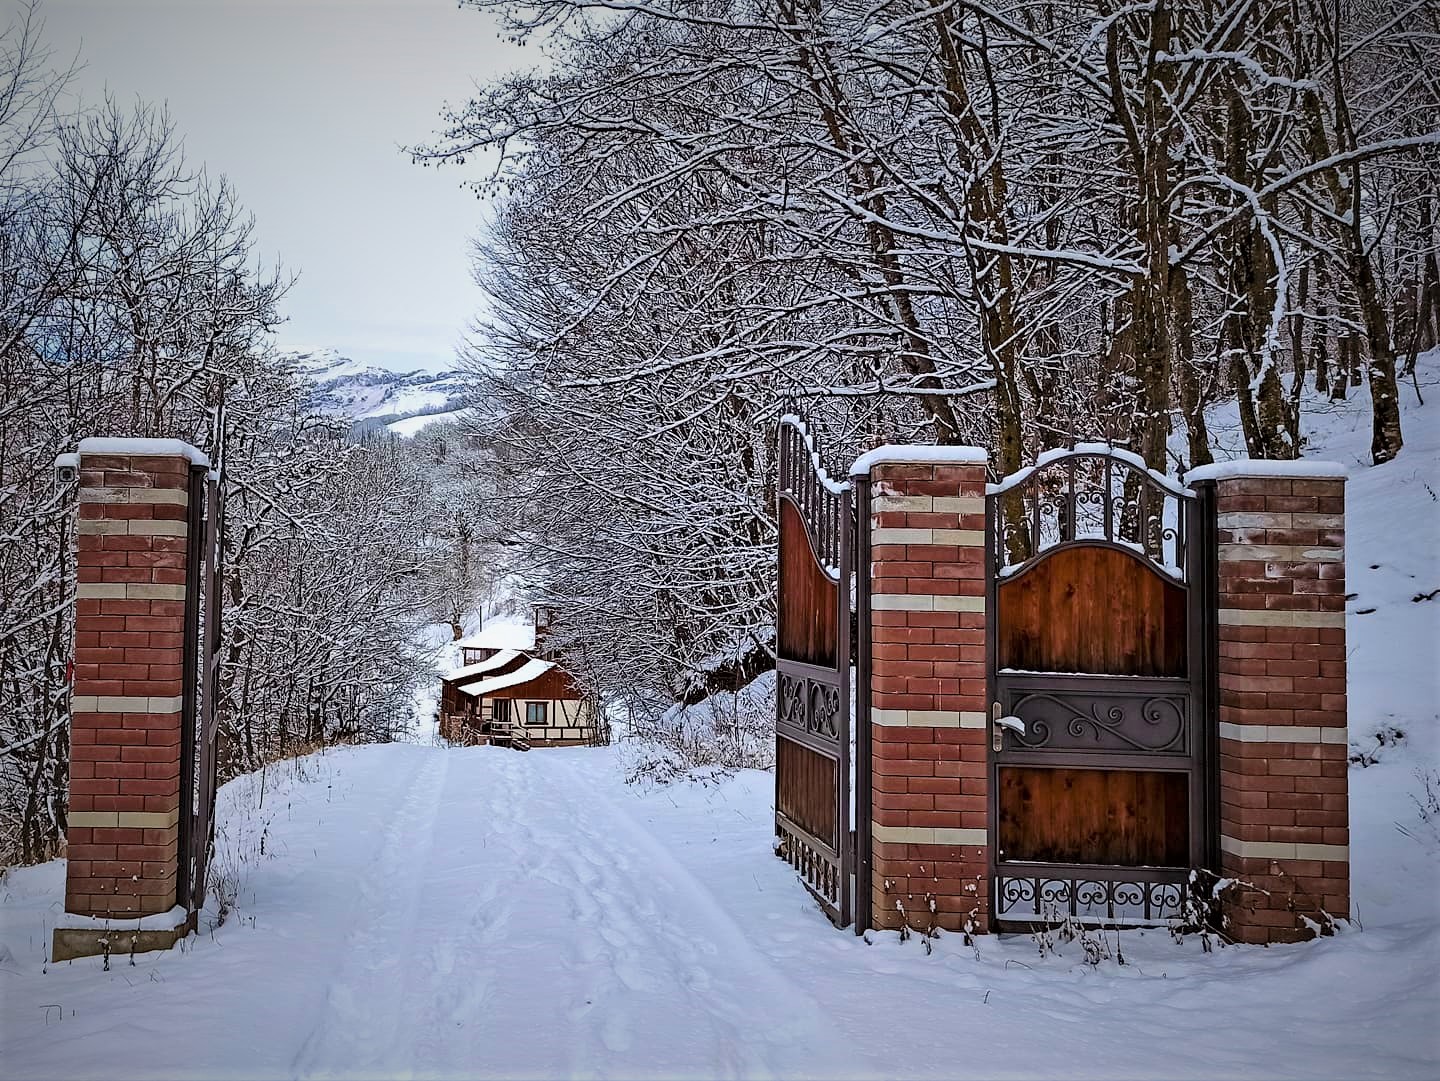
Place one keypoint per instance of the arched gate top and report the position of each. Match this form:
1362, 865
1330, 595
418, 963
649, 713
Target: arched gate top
823, 502
1092, 494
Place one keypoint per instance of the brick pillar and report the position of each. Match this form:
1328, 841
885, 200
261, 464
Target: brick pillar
929, 820
128, 683
1284, 813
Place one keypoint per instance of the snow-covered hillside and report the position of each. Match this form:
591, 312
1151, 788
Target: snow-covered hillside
371, 395
470, 912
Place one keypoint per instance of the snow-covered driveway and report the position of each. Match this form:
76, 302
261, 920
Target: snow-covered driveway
431, 912
515, 919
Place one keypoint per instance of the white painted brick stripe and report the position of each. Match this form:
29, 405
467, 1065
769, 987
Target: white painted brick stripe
959, 604
155, 591
960, 504
135, 591
1282, 850
1281, 733
1278, 519
928, 835
970, 538
92, 591
973, 538
889, 502
1249, 617
900, 536
1281, 553
927, 718
924, 602
134, 820
175, 497
114, 703
135, 527
925, 504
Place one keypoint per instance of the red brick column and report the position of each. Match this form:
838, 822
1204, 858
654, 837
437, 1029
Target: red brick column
1284, 812
125, 703
929, 821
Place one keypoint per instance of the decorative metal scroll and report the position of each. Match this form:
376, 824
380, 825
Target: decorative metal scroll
1107, 717
1092, 897
1097, 494
811, 706
812, 725
200, 726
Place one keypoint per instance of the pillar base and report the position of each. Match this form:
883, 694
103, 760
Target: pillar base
89, 937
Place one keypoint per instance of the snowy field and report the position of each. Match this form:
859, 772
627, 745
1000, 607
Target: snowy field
411, 910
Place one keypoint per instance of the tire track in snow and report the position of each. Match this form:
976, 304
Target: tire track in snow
622, 963
796, 1038
359, 1030
518, 921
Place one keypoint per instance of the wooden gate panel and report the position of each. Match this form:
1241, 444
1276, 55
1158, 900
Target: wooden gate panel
1092, 608
809, 598
812, 723
807, 789
1124, 818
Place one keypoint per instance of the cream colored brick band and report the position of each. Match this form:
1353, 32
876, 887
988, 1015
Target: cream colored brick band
966, 538
135, 591
89, 703
1278, 519
924, 602
1281, 733
927, 835
1280, 850
175, 497
1280, 553
125, 820
135, 527
929, 504
1250, 617
927, 718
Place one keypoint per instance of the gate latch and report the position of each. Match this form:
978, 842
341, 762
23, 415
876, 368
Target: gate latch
999, 723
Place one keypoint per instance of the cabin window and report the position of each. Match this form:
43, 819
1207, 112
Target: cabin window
535, 712
500, 711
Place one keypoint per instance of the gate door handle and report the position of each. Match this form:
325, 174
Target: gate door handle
999, 723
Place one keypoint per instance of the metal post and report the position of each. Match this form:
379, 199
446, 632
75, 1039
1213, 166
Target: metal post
863, 797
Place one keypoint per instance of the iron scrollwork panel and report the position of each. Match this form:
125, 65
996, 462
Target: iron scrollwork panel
1042, 899
810, 707
1108, 720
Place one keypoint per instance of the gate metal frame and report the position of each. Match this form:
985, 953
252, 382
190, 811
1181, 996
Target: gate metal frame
1126, 895
199, 721
813, 701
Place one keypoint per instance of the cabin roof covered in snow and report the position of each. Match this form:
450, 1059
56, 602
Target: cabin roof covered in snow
490, 664
524, 674
500, 635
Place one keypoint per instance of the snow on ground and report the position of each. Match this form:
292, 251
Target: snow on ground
407, 428
442, 912
431, 911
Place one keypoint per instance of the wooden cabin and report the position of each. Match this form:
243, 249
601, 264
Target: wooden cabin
511, 692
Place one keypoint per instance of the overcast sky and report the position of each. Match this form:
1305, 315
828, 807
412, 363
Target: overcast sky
303, 104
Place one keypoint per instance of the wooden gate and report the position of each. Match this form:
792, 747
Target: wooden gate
199, 721
1100, 649
813, 651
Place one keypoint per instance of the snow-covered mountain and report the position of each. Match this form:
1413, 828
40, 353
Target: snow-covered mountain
372, 396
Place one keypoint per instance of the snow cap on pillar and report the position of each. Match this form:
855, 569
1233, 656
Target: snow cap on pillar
907, 454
